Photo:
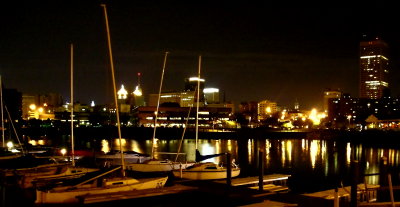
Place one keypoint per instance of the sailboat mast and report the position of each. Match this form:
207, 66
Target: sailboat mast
158, 106
198, 101
2, 116
115, 89
72, 106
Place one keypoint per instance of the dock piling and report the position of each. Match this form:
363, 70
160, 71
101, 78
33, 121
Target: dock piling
228, 170
261, 170
354, 182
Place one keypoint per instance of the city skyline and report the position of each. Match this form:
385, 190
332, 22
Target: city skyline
249, 52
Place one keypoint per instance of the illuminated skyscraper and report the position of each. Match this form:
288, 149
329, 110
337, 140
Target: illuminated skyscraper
374, 68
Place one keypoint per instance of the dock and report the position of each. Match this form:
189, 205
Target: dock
148, 193
365, 193
267, 179
241, 191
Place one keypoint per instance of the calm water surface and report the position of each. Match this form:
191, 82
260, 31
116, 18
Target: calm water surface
313, 164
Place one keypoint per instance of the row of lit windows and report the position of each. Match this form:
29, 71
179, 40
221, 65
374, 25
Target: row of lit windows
180, 118
373, 56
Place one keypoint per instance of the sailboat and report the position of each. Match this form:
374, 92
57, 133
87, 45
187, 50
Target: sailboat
100, 184
204, 170
23, 167
156, 165
71, 171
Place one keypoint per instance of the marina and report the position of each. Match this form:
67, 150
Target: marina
282, 184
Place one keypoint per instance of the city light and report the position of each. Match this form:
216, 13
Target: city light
10, 145
138, 91
63, 151
211, 90
122, 93
32, 107
196, 79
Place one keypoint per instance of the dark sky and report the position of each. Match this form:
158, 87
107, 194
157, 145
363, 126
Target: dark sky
249, 52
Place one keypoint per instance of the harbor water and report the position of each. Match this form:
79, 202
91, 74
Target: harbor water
313, 164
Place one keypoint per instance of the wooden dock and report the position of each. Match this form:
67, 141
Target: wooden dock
175, 189
364, 192
237, 191
267, 179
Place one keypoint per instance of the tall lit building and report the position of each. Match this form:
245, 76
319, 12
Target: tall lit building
374, 68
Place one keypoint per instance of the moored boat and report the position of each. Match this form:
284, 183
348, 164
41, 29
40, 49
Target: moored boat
99, 184
205, 171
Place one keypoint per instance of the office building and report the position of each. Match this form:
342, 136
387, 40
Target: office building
374, 68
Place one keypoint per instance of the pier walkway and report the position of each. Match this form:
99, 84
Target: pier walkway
243, 191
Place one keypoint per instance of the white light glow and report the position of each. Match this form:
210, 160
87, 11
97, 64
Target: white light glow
211, 90
196, 79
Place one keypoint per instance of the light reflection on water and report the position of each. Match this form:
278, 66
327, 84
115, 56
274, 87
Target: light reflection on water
325, 158
209, 146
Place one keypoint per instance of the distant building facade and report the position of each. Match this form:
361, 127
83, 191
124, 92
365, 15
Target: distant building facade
209, 117
328, 95
348, 110
211, 95
184, 98
374, 68
265, 109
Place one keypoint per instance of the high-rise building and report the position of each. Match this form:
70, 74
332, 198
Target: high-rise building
374, 68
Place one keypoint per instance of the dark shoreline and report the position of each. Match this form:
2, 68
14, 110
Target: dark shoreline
390, 138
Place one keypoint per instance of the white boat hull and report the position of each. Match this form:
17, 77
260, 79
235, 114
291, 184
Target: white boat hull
204, 175
157, 166
205, 171
115, 160
65, 195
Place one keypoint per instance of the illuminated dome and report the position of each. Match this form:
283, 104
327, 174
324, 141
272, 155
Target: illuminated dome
122, 93
138, 91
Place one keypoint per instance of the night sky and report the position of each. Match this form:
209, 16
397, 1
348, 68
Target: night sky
249, 52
